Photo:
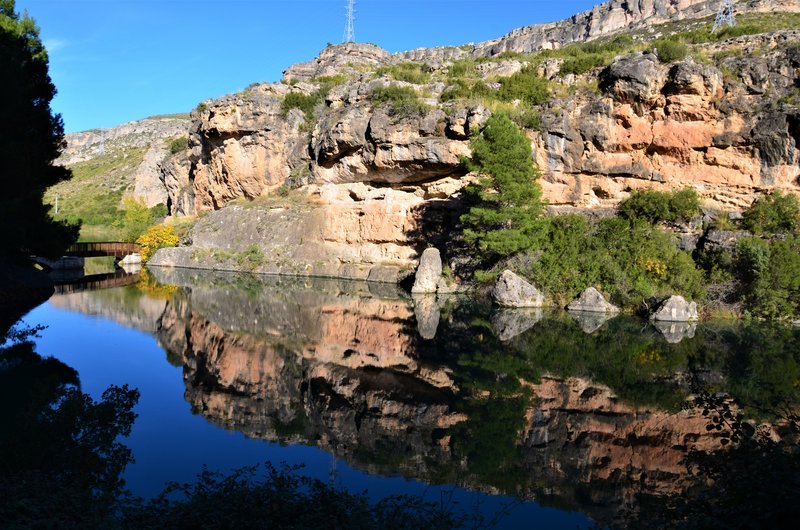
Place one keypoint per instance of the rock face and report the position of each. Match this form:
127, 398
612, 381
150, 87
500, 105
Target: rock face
603, 19
512, 290
592, 301
325, 231
611, 17
670, 126
382, 175
429, 272
676, 309
338, 59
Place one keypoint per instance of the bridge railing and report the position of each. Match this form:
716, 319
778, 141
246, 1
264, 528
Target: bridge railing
102, 248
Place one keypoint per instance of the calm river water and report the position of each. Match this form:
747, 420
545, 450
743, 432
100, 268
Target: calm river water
538, 420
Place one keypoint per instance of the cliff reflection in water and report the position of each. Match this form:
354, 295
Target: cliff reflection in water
579, 414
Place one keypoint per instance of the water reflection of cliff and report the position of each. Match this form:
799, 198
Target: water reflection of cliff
336, 366
585, 421
325, 362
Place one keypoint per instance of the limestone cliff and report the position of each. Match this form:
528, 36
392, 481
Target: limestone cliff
377, 178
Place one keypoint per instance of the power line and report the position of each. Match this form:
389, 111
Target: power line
349, 29
725, 17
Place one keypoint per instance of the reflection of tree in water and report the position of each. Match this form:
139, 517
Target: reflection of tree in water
758, 365
60, 458
754, 482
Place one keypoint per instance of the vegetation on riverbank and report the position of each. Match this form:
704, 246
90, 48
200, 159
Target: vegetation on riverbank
633, 257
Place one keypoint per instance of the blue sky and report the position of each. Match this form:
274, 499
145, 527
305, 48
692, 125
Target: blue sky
119, 60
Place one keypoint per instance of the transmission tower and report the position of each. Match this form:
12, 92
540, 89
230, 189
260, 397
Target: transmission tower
725, 17
349, 29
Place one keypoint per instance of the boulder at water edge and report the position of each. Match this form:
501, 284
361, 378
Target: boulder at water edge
512, 290
592, 301
676, 309
429, 272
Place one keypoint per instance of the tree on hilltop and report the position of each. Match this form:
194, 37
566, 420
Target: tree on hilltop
31, 137
508, 204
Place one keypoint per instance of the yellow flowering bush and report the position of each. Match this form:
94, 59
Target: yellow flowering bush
156, 237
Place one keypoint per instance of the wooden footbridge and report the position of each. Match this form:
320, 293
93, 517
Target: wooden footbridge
94, 250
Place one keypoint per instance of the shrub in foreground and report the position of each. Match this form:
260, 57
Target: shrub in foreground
156, 237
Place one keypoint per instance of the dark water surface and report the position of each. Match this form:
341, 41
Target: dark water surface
543, 420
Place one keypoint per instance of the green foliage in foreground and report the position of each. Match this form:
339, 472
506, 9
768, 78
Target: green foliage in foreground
403, 101
507, 200
657, 206
635, 262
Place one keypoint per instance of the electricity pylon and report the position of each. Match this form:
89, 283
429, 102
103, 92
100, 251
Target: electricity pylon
725, 17
349, 29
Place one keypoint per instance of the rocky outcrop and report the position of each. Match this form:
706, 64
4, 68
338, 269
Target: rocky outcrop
338, 59
511, 290
676, 309
592, 301
666, 127
612, 17
329, 231
174, 174
602, 20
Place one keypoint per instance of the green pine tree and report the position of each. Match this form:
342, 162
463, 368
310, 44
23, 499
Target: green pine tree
31, 136
506, 216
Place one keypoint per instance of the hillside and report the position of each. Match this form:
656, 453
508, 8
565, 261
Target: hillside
112, 163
